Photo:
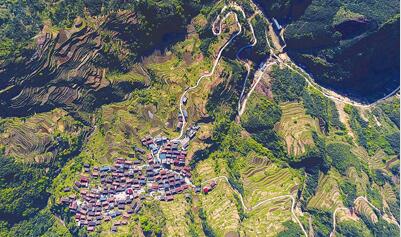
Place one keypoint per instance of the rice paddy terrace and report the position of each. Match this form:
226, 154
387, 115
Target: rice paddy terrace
327, 196
263, 181
296, 128
164, 149
40, 138
263, 221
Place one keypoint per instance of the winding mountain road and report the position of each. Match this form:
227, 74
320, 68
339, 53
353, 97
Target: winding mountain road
259, 78
216, 33
346, 209
326, 92
241, 107
273, 59
248, 67
262, 202
334, 219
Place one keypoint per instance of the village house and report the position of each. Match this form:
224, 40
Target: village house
124, 183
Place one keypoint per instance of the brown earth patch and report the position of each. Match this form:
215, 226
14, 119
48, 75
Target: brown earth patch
231, 234
188, 58
157, 57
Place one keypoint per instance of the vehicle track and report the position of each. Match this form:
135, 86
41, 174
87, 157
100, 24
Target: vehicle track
261, 73
248, 67
262, 202
326, 92
344, 208
242, 102
209, 74
181, 105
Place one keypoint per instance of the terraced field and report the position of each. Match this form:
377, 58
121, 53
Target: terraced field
137, 75
375, 162
179, 69
263, 180
133, 229
70, 55
361, 180
34, 139
153, 110
115, 135
328, 195
378, 160
363, 208
176, 218
295, 127
388, 193
361, 153
220, 205
267, 219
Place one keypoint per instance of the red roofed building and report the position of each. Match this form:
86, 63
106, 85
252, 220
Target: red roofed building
206, 189
84, 179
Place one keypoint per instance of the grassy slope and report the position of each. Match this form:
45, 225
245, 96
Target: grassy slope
296, 128
121, 125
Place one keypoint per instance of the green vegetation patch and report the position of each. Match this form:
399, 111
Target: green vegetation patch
260, 118
291, 230
342, 157
38, 225
287, 85
152, 219
370, 134
352, 228
319, 106
261, 114
392, 109
344, 14
23, 190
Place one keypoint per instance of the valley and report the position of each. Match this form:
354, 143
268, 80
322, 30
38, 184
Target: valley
219, 134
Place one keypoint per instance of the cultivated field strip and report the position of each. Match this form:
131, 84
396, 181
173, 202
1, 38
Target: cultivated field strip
296, 128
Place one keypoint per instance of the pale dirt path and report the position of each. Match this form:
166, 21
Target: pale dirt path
332, 234
293, 202
282, 58
344, 118
261, 73
216, 33
334, 219
329, 94
248, 67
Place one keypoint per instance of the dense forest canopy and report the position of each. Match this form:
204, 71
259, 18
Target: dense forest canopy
199, 118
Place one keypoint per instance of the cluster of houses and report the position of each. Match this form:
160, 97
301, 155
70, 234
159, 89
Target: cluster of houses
114, 193
209, 187
181, 118
153, 144
170, 155
108, 192
189, 135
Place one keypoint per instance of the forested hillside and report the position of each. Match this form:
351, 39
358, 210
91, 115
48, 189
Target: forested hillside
351, 46
199, 118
